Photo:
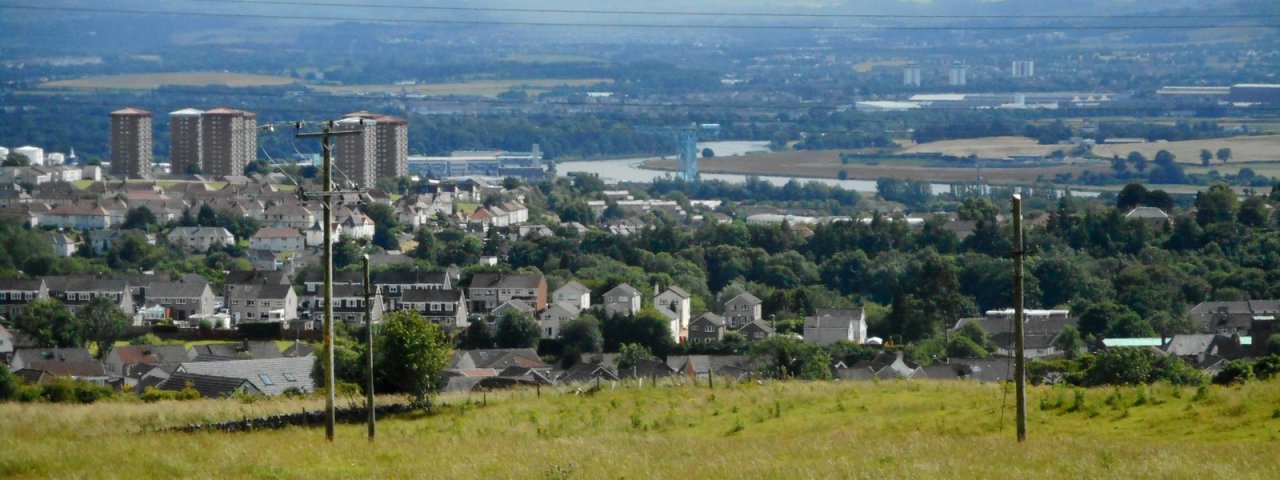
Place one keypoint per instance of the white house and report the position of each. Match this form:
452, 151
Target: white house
201, 238
829, 326
573, 293
622, 300
675, 304
555, 316
278, 240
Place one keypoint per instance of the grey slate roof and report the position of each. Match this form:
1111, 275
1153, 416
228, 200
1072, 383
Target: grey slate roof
434, 295
209, 386
271, 376
183, 289
235, 351
499, 280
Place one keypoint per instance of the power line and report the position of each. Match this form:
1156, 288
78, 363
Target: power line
724, 14
637, 25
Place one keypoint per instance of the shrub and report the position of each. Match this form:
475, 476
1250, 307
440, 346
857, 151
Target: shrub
1266, 366
1235, 372
8, 384
62, 390
1138, 366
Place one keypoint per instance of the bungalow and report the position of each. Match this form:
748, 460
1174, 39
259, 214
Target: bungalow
741, 310
16, 293
1040, 330
707, 328
622, 300
271, 376
208, 386
133, 361
245, 350
76, 363
1233, 317
447, 308
828, 326
200, 238
278, 240
1152, 216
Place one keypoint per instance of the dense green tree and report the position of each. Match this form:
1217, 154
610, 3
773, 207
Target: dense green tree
648, 328
1253, 212
478, 336
140, 218
50, 324
102, 323
1217, 204
517, 330
1205, 157
413, 353
582, 334
1224, 154
1069, 342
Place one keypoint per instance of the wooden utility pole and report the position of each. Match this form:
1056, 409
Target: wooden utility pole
368, 344
1020, 366
326, 199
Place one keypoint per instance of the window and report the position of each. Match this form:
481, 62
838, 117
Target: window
435, 307
4, 296
265, 379
290, 377
182, 301
759, 334
711, 329
248, 303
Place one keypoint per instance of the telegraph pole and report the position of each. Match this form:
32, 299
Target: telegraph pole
1020, 366
326, 199
368, 344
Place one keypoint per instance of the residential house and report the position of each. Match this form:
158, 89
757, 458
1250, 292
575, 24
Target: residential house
1040, 330
448, 308
622, 300
488, 290
76, 292
245, 350
1233, 317
16, 293
585, 373
702, 366
707, 328
132, 361
290, 215
183, 298
756, 330
239, 279
200, 238
83, 215
101, 240
354, 225
278, 240
208, 386
63, 245
1155, 217
257, 303
271, 376
741, 310
573, 293
6, 345
828, 326
349, 305
676, 304
554, 317
394, 283
76, 363
516, 306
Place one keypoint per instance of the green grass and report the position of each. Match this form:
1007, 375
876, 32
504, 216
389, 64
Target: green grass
917, 429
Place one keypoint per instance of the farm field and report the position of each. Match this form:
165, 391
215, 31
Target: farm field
826, 164
890, 429
1260, 148
149, 81
478, 87
989, 147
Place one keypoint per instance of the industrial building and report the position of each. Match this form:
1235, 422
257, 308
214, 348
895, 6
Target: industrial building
131, 143
479, 164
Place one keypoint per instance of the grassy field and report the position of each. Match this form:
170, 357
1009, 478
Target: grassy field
894, 429
149, 81
478, 87
826, 164
1260, 148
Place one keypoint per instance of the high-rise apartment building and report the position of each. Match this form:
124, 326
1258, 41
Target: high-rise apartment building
185, 152
355, 156
392, 153
228, 141
911, 75
1024, 69
131, 143
958, 75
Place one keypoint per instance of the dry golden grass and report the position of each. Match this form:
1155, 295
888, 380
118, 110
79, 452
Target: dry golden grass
149, 81
988, 147
916, 429
1259, 148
